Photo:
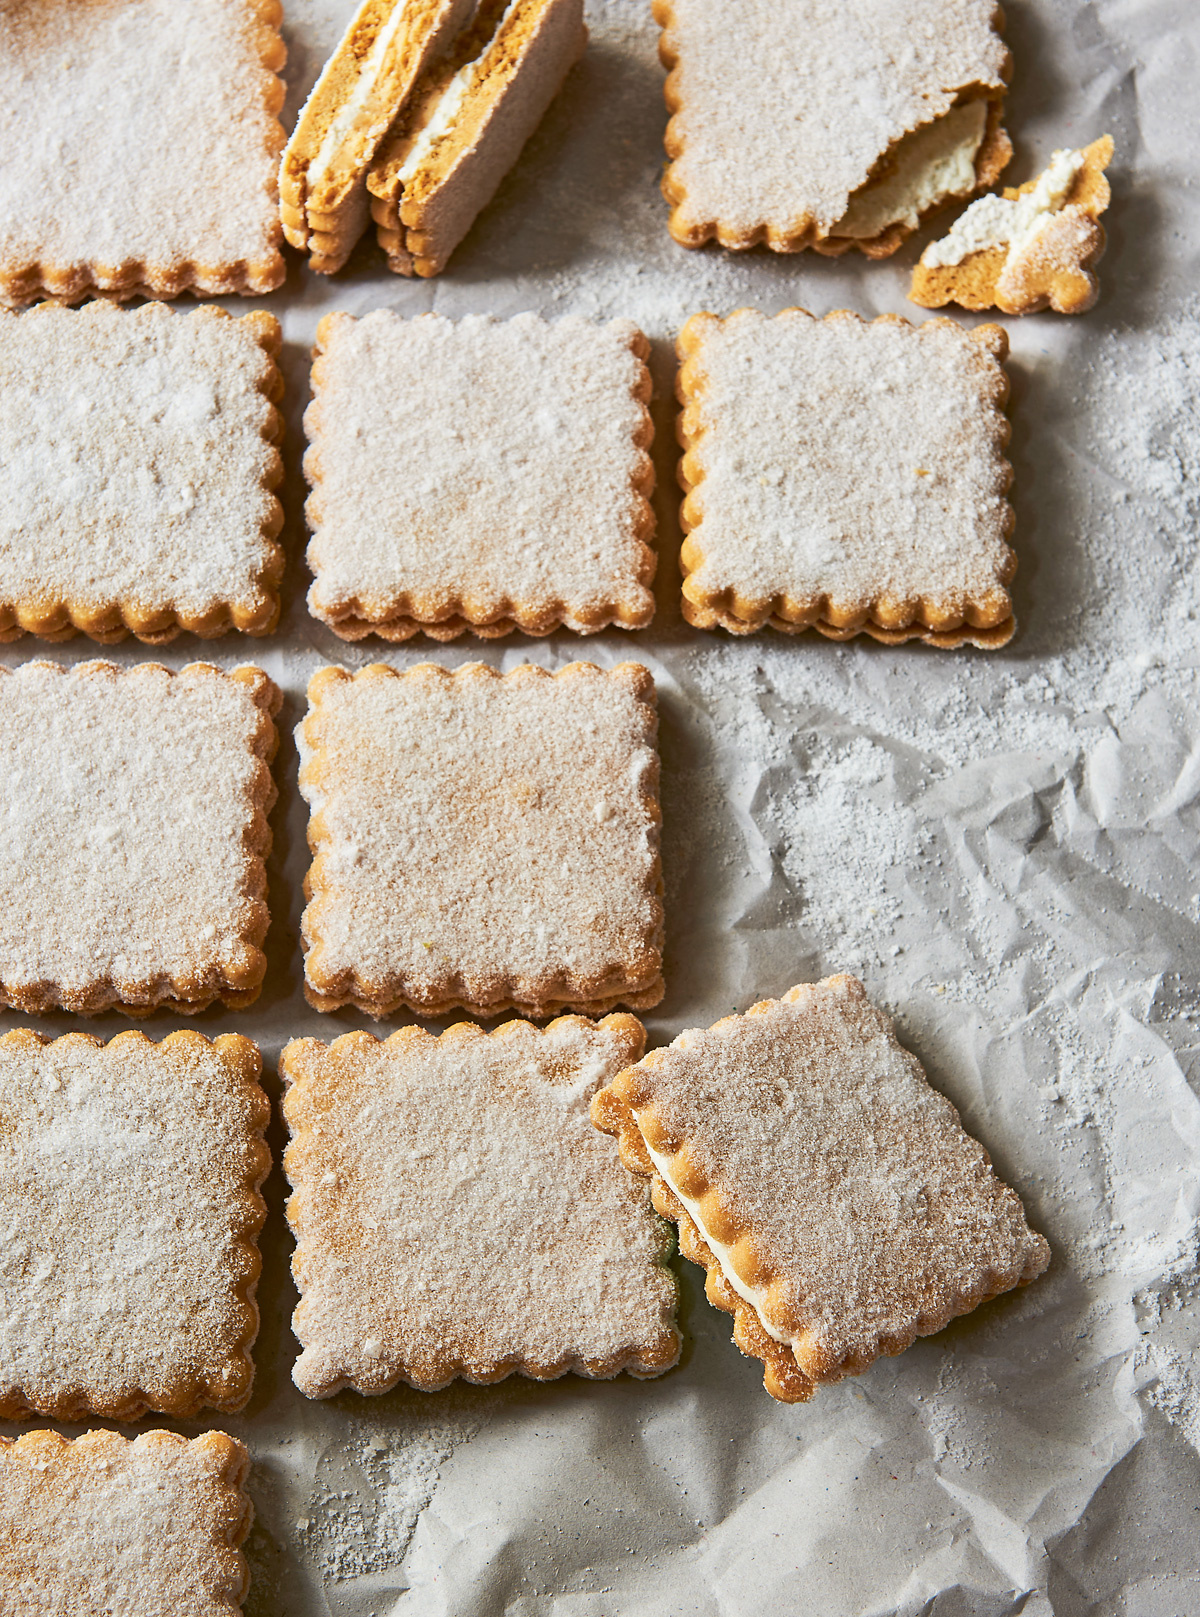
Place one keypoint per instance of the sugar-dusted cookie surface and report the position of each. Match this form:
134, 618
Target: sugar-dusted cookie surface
129, 1178
132, 869
457, 1215
464, 129
479, 475
846, 476
839, 1205
105, 187
362, 88
140, 464
801, 123
102, 1525
482, 841
1032, 248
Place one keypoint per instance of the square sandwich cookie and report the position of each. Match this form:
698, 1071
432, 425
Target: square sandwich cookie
464, 128
102, 1525
457, 1215
129, 1180
847, 477
482, 841
141, 462
802, 123
480, 474
837, 1203
106, 187
133, 864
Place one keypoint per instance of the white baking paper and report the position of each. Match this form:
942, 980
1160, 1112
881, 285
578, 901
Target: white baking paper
1003, 845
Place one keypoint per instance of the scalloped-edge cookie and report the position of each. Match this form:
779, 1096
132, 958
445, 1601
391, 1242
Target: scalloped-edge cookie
834, 1197
129, 1197
482, 842
141, 460
133, 864
846, 476
797, 123
479, 475
1032, 248
457, 1215
106, 189
362, 88
103, 1524
447, 153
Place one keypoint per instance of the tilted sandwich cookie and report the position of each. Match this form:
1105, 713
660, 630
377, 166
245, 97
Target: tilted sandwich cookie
801, 123
847, 477
141, 459
1032, 248
453, 1217
129, 1197
364, 85
465, 127
102, 1525
133, 865
483, 475
108, 188
837, 1203
482, 841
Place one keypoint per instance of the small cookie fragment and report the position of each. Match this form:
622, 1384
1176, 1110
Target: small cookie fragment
839, 1206
102, 1525
847, 477
362, 88
448, 152
129, 1180
108, 189
797, 123
481, 474
482, 841
1032, 248
457, 1215
141, 462
133, 865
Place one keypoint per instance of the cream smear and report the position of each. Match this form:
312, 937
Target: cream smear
347, 116
995, 221
932, 164
449, 105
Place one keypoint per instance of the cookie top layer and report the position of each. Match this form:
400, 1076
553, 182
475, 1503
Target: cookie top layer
129, 1177
842, 469
102, 176
483, 840
140, 465
853, 1200
102, 1525
784, 109
132, 865
457, 1214
483, 468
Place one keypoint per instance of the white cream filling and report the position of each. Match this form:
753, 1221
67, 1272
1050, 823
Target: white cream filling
932, 164
348, 114
994, 221
756, 1296
440, 122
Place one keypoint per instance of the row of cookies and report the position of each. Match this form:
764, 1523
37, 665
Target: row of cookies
484, 475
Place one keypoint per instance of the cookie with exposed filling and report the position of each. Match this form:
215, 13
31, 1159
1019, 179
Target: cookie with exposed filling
133, 864
141, 461
361, 90
1032, 248
840, 1208
457, 1215
108, 189
102, 1525
448, 152
129, 1196
482, 841
479, 475
797, 123
847, 477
